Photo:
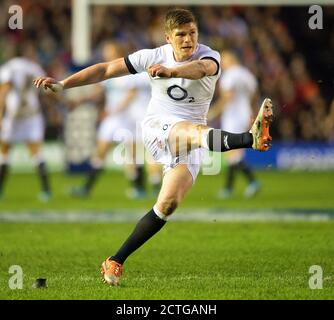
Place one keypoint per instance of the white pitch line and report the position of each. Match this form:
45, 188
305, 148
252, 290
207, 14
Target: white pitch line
184, 215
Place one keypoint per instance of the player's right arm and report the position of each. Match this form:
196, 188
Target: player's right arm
93, 74
193, 70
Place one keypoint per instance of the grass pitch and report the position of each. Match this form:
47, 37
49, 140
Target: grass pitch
185, 260
280, 190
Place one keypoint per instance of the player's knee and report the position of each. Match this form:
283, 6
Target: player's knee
168, 206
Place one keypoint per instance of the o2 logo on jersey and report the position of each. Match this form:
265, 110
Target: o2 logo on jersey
178, 93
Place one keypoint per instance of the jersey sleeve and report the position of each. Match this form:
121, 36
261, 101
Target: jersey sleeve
140, 60
211, 55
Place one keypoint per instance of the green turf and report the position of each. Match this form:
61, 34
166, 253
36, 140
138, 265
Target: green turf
281, 189
184, 261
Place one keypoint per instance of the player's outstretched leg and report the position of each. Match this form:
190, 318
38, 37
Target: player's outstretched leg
176, 183
260, 128
257, 138
147, 226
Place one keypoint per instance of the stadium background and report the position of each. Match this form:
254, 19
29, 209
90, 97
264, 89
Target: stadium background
294, 66
274, 42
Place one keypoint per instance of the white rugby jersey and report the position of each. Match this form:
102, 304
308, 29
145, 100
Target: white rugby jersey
184, 98
243, 84
22, 100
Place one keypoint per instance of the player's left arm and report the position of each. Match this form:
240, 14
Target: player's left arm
193, 70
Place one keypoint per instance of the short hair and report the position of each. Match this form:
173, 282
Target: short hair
177, 17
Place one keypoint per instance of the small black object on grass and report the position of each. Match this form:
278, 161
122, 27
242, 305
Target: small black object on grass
40, 283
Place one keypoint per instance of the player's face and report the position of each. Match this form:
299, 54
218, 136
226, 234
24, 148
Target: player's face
183, 40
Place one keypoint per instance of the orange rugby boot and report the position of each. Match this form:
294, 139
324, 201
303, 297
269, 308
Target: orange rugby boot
111, 271
260, 128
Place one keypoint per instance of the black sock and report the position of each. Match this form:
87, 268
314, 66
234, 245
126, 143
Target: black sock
3, 174
92, 178
221, 141
246, 171
43, 176
138, 181
147, 226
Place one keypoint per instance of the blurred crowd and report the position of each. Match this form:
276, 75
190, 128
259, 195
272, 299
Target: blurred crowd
260, 35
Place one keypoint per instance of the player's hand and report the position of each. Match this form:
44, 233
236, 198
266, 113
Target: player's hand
48, 83
157, 70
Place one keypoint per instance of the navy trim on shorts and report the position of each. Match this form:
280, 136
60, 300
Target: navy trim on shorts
129, 65
213, 59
